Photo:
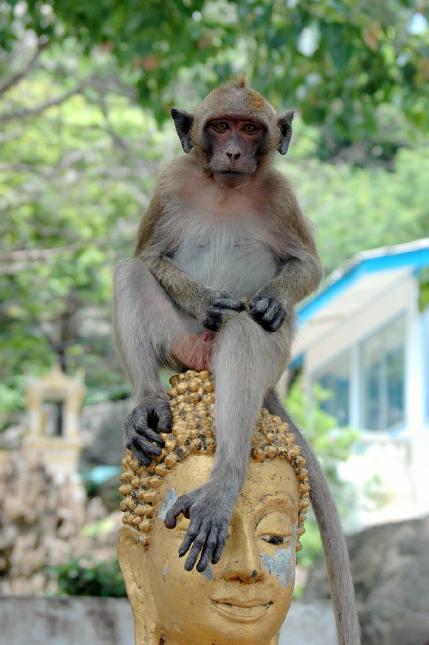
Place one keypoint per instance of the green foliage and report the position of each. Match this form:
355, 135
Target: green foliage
332, 445
99, 579
338, 62
78, 155
74, 181
355, 209
424, 289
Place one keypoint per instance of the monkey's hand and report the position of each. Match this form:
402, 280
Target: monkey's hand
267, 311
209, 512
218, 310
143, 425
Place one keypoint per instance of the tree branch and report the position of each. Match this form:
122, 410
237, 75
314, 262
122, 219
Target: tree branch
24, 113
16, 78
12, 262
35, 255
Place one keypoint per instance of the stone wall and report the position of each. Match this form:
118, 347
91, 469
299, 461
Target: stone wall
108, 621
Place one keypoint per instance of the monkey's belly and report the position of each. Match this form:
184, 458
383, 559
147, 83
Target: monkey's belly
240, 268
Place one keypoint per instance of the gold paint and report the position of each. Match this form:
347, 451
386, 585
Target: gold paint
194, 385
185, 608
170, 445
181, 388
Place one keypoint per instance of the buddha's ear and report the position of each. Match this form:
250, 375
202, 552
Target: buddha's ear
133, 557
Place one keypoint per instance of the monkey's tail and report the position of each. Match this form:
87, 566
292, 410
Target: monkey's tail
331, 533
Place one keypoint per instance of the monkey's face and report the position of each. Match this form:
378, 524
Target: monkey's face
233, 147
233, 132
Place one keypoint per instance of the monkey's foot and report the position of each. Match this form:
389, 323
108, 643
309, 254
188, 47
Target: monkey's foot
209, 513
143, 425
194, 351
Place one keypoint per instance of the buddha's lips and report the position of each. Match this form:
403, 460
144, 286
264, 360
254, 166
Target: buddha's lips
240, 609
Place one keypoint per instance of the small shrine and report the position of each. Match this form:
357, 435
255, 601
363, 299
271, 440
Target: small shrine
54, 402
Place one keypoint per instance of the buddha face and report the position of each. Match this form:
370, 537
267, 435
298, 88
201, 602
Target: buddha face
245, 597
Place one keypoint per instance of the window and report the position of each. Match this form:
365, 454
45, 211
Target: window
335, 379
382, 360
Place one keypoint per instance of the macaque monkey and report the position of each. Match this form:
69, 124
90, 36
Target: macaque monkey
223, 256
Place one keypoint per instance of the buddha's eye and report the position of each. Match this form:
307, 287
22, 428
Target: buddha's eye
220, 126
249, 128
274, 529
275, 540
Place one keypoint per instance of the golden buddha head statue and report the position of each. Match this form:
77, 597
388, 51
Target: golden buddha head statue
244, 598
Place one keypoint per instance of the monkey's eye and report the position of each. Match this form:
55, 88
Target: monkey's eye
220, 126
249, 128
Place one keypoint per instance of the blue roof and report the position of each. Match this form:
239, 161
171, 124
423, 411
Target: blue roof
414, 255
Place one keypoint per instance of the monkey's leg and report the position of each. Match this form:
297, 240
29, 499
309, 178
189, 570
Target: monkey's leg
331, 532
247, 361
147, 327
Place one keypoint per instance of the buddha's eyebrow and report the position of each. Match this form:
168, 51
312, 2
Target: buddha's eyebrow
283, 498
274, 503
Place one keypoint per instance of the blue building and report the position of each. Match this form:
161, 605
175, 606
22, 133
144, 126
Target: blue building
365, 337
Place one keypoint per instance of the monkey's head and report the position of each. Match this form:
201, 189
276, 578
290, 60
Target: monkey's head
233, 131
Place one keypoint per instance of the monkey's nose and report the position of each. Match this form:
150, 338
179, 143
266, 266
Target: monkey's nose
233, 155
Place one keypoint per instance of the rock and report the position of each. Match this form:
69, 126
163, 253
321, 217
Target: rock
45, 523
101, 427
11, 437
390, 568
309, 622
108, 621
66, 621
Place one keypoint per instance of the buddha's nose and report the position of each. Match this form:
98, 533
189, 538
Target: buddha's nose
243, 561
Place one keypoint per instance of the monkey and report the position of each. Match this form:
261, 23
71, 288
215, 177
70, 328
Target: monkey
223, 256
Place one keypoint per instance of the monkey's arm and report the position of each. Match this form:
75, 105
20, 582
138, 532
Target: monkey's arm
208, 306
298, 277
300, 272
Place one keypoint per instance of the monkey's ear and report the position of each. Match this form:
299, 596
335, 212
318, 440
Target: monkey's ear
183, 122
285, 126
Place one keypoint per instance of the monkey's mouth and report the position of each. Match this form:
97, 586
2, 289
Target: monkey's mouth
241, 611
232, 173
